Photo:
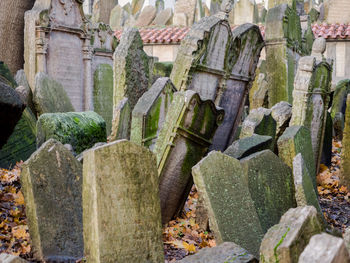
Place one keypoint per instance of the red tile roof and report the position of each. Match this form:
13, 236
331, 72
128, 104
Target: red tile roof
174, 35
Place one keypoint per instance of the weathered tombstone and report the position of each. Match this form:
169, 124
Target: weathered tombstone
273, 3
11, 31
146, 16
259, 121
79, 129
221, 69
282, 113
259, 96
52, 186
150, 112
121, 204
49, 96
118, 17
102, 10
180, 19
249, 145
325, 248
131, 70
304, 188
136, 6
103, 94
159, 5
7, 258
62, 43
223, 253
283, 48
24, 89
345, 154
295, 140
164, 17
187, 7
271, 187
122, 117
220, 180
311, 95
184, 139
326, 155
245, 11
339, 98
285, 241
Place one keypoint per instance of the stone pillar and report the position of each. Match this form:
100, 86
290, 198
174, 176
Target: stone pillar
88, 84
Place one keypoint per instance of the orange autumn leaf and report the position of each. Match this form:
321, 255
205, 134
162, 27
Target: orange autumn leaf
189, 247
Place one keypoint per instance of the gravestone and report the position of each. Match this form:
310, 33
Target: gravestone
180, 20
345, 154
62, 43
159, 5
311, 95
274, 3
182, 142
121, 204
79, 129
164, 17
103, 94
271, 187
102, 10
11, 30
52, 186
339, 98
259, 95
7, 258
285, 241
245, 11
136, 6
220, 180
150, 112
24, 90
122, 117
295, 140
187, 7
224, 253
259, 121
325, 248
146, 16
219, 65
249, 145
131, 70
49, 96
282, 113
304, 188
118, 17
338, 125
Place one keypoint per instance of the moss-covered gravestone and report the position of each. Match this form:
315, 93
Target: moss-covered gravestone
285, 241
79, 129
52, 186
295, 140
49, 96
150, 112
249, 145
345, 154
182, 142
102, 10
131, 70
121, 210
221, 182
271, 187
282, 113
103, 93
339, 97
311, 95
220, 65
122, 116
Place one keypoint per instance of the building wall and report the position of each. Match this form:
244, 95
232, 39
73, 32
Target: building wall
165, 53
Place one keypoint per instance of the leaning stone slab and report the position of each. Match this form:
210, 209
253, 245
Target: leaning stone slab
150, 112
304, 189
249, 145
121, 121
121, 204
102, 10
7, 258
325, 248
52, 187
297, 139
223, 253
50, 96
164, 17
282, 113
259, 121
118, 17
221, 182
271, 186
24, 89
146, 16
285, 241
339, 98
80, 129
183, 141
345, 154
136, 6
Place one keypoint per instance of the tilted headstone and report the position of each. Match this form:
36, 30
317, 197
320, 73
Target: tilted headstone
345, 154
180, 19
223, 253
147, 16
62, 43
221, 69
102, 10
311, 95
245, 11
249, 145
150, 112
52, 187
221, 182
11, 31
118, 17
285, 241
182, 142
339, 98
259, 121
304, 188
283, 38
131, 70
271, 187
79, 129
121, 204
259, 92
295, 140
136, 6
282, 113
7, 258
187, 7
49, 96
164, 17
325, 248
103, 93
121, 117
24, 89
